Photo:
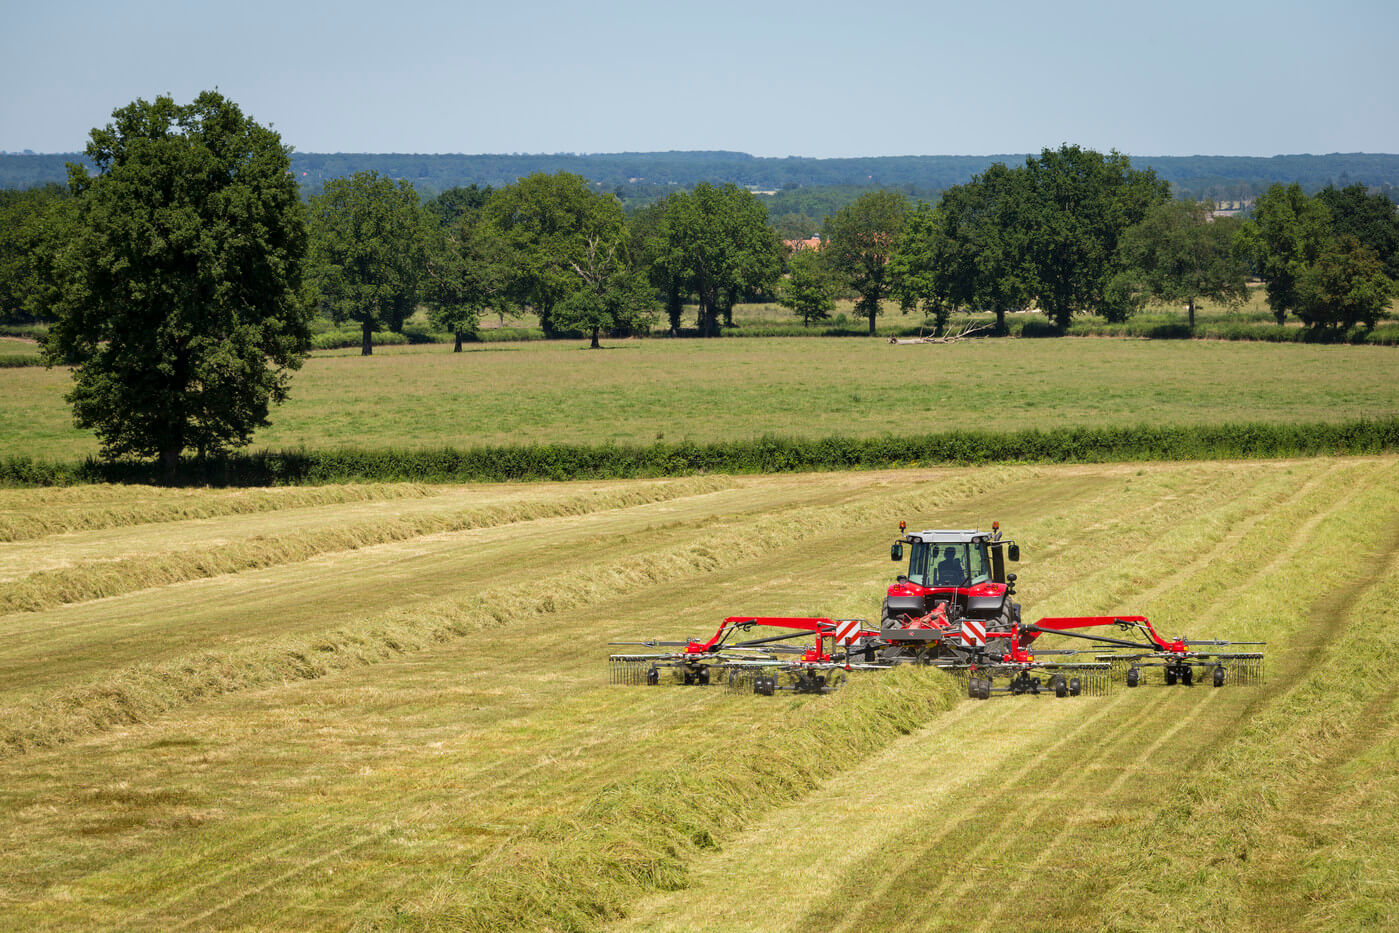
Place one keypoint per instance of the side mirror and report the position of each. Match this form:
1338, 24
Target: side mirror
896, 552
1014, 552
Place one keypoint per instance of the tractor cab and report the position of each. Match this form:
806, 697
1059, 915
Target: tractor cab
955, 558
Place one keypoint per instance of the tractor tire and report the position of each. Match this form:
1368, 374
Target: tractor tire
1219, 676
1170, 677
1134, 676
702, 678
1187, 676
1061, 686
973, 688
653, 677
1075, 686
986, 688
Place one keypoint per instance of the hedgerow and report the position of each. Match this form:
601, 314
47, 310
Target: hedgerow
760, 455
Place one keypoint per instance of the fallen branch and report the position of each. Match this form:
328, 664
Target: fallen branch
971, 330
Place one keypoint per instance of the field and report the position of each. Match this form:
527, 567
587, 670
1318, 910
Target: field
385, 707
640, 391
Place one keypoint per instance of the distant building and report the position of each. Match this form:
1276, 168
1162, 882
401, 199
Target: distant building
811, 242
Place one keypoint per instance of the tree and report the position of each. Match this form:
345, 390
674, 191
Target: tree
368, 251
610, 295
455, 203
618, 299
546, 221
665, 268
717, 242
1077, 204
35, 224
922, 270
795, 226
468, 271
861, 237
1180, 254
1370, 218
1345, 287
1287, 232
181, 283
809, 290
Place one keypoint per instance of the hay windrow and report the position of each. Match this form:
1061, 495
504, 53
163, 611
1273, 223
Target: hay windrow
98, 579
1293, 756
572, 871
34, 513
139, 692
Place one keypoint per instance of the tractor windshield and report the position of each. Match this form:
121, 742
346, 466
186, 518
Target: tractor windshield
948, 564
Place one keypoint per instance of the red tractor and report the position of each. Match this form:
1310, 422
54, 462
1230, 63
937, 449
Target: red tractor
962, 572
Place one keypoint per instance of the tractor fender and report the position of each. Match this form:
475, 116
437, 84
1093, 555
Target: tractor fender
895, 606
985, 607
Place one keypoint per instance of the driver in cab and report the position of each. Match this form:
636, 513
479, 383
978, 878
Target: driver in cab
949, 569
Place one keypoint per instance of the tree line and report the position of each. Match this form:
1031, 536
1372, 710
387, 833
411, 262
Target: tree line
640, 177
183, 275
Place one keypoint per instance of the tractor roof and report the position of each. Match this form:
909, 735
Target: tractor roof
950, 536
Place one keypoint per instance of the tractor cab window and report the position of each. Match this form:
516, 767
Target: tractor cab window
918, 564
943, 564
978, 567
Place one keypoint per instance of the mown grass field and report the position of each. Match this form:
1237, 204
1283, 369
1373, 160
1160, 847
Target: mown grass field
386, 708
640, 391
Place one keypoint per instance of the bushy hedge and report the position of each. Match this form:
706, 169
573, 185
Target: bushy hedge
1173, 327
763, 455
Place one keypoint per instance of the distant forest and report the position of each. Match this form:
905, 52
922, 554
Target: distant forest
641, 177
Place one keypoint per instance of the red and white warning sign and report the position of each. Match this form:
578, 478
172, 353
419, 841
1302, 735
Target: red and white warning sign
974, 632
847, 630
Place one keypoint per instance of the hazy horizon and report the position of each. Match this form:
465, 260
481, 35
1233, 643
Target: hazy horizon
822, 80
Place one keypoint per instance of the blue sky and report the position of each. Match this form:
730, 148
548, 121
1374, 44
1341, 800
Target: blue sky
799, 78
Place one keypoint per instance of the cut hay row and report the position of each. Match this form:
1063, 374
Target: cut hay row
34, 513
1296, 816
570, 872
97, 579
137, 693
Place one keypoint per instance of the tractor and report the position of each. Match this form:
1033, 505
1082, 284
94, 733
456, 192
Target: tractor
960, 572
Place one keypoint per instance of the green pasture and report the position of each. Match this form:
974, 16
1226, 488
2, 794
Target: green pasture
263, 726
637, 391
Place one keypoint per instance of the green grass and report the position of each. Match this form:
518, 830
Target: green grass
639, 392
418, 734
16, 352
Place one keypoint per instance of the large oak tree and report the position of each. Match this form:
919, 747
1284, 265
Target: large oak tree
180, 298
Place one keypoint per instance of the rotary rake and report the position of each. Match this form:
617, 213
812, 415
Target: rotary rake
1182, 661
768, 664
956, 614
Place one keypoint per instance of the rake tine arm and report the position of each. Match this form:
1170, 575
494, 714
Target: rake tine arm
1060, 625
1097, 639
